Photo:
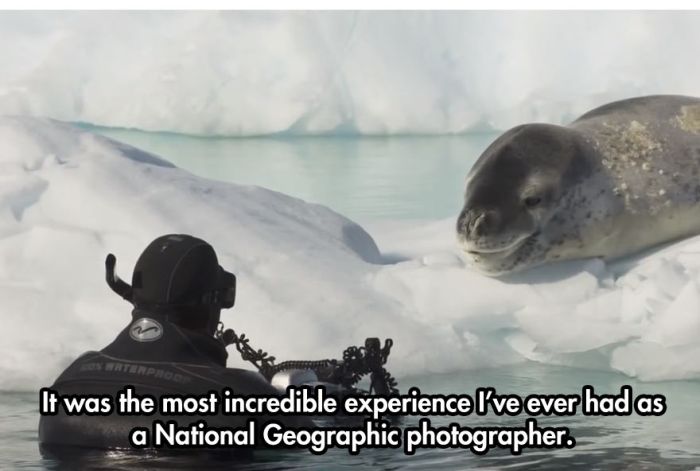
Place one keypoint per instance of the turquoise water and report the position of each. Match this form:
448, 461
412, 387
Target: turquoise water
363, 178
378, 179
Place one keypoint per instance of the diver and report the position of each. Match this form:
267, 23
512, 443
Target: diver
170, 346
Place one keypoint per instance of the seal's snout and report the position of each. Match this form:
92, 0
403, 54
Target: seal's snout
473, 224
485, 224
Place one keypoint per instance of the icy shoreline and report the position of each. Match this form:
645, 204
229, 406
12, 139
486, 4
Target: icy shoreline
311, 281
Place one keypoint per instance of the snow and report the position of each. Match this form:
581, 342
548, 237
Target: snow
252, 73
311, 282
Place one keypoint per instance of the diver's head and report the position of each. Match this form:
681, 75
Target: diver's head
179, 276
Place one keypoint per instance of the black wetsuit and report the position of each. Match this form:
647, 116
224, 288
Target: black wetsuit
178, 361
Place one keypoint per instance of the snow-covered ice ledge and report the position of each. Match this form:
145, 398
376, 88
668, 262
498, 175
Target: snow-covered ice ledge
311, 281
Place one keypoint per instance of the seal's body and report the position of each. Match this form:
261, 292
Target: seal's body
621, 178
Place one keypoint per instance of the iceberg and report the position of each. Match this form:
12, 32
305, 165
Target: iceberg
260, 73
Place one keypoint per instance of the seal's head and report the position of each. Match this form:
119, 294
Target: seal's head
513, 191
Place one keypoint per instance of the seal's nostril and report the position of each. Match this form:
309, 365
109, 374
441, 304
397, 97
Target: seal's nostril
479, 224
464, 221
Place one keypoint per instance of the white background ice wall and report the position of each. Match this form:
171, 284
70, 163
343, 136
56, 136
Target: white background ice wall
247, 73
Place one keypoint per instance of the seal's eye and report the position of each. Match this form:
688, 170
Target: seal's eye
532, 201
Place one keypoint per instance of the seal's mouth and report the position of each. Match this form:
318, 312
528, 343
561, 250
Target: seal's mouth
498, 251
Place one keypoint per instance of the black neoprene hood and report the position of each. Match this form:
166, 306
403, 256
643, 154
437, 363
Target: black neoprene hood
175, 269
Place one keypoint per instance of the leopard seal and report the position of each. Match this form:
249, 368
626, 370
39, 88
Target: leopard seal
619, 179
